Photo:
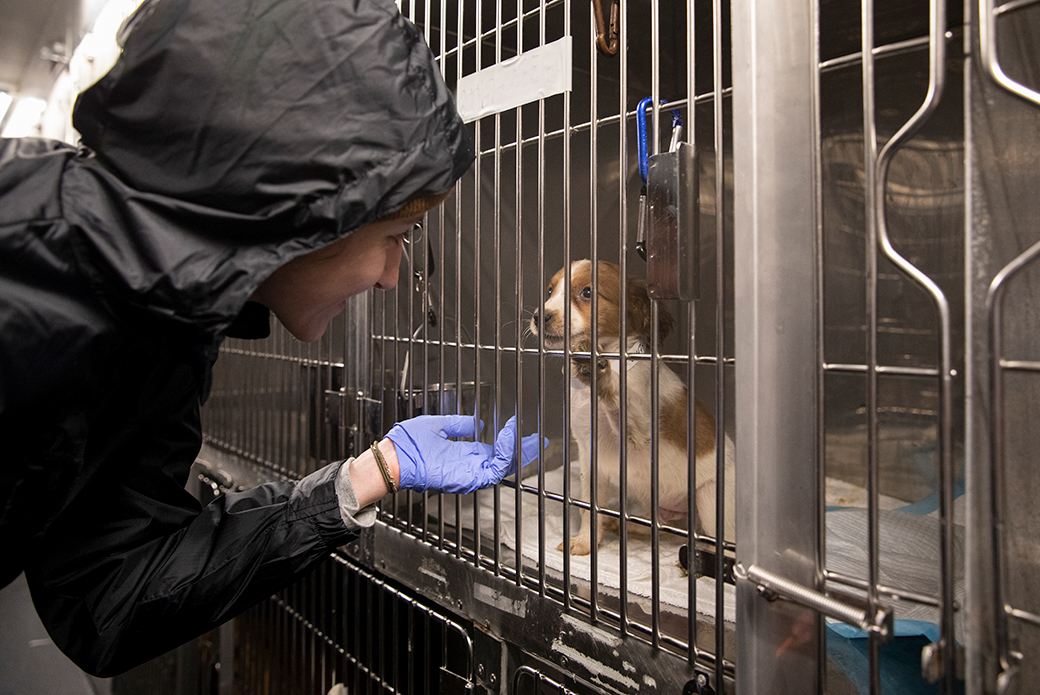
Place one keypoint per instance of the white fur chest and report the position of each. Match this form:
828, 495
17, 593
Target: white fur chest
581, 418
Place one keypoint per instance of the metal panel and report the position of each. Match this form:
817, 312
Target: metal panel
1004, 395
776, 238
593, 654
539, 683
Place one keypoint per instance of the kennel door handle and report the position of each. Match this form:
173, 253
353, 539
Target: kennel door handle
772, 587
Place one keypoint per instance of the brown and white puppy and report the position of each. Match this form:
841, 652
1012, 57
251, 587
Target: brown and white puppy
672, 395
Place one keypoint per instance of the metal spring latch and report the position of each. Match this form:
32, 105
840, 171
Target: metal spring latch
772, 586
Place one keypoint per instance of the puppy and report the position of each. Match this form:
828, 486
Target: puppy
672, 396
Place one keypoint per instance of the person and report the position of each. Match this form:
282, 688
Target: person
242, 157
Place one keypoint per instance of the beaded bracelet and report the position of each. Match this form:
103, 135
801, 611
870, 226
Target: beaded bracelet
383, 468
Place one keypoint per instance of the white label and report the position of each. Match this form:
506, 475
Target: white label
491, 597
536, 74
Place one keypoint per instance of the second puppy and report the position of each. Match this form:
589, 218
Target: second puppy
672, 396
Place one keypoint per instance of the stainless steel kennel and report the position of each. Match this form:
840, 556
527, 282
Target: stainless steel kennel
860, 313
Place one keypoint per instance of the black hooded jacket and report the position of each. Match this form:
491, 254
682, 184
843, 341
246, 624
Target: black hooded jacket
230, 137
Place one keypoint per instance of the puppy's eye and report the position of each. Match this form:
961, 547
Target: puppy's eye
586, 293
549, 291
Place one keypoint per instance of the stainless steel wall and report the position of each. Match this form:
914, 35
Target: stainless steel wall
1003, 123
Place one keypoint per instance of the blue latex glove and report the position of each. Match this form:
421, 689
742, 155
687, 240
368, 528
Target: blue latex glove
429, 460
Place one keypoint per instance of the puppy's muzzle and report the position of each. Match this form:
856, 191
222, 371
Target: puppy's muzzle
553, 333
550, 320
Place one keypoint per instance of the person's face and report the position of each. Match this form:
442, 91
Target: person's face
309, 290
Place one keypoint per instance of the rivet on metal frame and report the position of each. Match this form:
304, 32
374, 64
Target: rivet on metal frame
606, 35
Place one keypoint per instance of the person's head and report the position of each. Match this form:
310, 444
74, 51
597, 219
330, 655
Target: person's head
309, 290
265, 144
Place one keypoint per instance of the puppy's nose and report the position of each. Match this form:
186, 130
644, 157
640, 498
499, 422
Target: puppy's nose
534, 317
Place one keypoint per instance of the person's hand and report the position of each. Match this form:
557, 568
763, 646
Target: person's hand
430, 460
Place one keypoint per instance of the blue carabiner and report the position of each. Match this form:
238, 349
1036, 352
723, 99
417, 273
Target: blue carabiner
641, 138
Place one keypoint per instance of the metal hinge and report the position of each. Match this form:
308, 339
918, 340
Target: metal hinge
705, 563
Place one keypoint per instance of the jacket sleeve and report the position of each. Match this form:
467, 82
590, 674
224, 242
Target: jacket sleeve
136, 567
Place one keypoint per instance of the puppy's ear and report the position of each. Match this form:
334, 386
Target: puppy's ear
639, 312
664, 322
638, 308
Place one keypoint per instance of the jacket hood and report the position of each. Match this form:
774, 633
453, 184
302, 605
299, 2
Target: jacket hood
234, 135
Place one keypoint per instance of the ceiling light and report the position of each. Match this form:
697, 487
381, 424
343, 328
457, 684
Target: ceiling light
24, 117
5, 101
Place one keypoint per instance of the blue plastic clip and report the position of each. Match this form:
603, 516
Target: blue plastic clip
641, 133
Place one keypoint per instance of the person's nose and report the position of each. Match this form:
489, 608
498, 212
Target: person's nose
391, 271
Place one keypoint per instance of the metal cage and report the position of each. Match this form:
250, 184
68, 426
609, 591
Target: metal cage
345, 630
853, 299
342, 629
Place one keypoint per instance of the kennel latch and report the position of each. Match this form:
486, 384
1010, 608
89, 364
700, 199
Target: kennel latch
772, 587
705, 562
355, 414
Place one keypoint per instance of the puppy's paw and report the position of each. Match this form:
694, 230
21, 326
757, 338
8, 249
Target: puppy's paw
578, 546
583, 365
613, 525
